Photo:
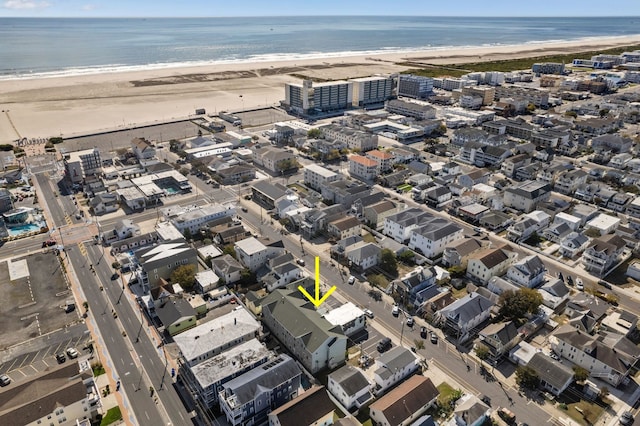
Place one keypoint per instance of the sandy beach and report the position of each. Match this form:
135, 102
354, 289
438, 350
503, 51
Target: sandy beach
66, 106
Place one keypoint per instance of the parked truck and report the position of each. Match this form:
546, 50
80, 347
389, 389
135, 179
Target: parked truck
230, 118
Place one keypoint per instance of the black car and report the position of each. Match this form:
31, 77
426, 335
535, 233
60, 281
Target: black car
61, 357
384, 345
423, 332
115, 276
626, 418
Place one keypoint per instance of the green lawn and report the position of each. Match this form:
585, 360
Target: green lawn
368, 238
445, 392
112, 416
590, 412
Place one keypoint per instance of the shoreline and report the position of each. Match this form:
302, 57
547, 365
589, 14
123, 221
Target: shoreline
45, 107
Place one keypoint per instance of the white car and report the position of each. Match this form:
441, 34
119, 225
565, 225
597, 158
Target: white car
72, 353
352, 280
368, 313
395, 311
579, 284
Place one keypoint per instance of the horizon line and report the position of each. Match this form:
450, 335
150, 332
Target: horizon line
318, 16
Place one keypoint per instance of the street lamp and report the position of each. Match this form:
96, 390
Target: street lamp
242, 99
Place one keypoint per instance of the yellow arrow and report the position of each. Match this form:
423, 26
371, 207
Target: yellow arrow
317, 301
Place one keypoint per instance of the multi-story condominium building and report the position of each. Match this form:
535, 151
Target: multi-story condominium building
451, 84
492, 78
313, 340
568, 182
527, 195
383, 159
611, 357
207, 377
511, 164
470, 101
371, 91
431, 238
248, 399
399, 225
195, 218
602, 254
274, 159
311, 99
158, 262
80, 164
64, 395
317, 176
253, 254
538, 97
457, 253
354, 139
363, 167
6, 201
487, 94
421, 111
212, 338
490, 262
484, 155
414, 86
548, 68
614, 143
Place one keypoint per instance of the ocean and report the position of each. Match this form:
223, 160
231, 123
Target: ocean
49, 47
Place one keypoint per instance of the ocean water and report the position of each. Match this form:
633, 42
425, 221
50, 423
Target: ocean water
41, 47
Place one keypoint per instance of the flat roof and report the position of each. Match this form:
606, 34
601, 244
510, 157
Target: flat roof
168, 232
322, 171
216, 333
603, 221
250, 245
344, 314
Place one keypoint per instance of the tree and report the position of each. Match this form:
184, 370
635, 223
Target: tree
187, 234
592, 232
247, 277
314, 134
184, 275
527, 378
516, 304
56, 140
407, 257
482, 352
604, 392
388, 262
116, 265
580, 374
571, 114
603, 112
230, 250
456, 271
531, 108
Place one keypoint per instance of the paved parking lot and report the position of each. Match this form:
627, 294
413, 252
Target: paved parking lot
260, 117
34, 305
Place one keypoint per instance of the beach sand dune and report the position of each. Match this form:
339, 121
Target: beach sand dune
71, 105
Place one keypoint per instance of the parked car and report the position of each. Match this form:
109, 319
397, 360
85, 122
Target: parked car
244, 209
114, 276
300, 262
72, 352
434, 338
410, 321
61, 357
395, 311
579, 284
423, 332
384, 345
4, 380
352, 280
626, 418
368, 313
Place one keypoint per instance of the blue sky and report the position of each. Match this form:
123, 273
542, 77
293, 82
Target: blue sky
204, 8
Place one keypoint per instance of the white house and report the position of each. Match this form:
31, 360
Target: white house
253, 254
573, 244
528, 272
363, 255
399, 225
433, 237
348, 317
463, 316
349, 386
490, 262
603, 223
393, 367
603, 253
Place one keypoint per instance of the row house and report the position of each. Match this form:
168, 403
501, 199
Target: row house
458, 252
248, 399
610, 357
602, 254
490, 262
597, 126
431, 238
550, 138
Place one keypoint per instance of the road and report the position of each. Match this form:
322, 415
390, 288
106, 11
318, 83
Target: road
444, 354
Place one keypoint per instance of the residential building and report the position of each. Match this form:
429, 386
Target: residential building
462, 317
316, 176
227, 268
610, 357
399, 225
499, 338
252, 253
176, 315
349, 386
421, 111
142, 148
528, 272
348, 317
553, 376
392, 367
511, 164
363, 255
375, 214
548, 68
311, 99
248, 399
405, 403
313, 340
274, 160
80, 164
383, 159
281, 274
527, 195
64, 394
573, 244
568, 182
417, 286
603, 223
603, 253
158, 262
371, 91
344, 227
214, 337
265, 193
208, 376
433, 237
457, 253
354, 139
192, 219
236, 173
490, 262
101, 204
313, 407
414, 86
470, 411
363, 167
